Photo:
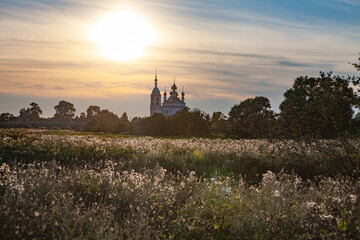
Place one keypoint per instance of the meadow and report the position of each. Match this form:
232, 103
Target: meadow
67, 185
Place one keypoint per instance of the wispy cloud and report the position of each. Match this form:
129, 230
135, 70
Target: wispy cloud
226, 50
350, 2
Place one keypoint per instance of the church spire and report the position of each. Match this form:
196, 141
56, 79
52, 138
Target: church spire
156, 80
165, 94
174, 87
183, 95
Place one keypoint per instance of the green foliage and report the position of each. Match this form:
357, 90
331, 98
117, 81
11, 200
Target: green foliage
251, 118
105, 121
320, 107
183, 123
219, 125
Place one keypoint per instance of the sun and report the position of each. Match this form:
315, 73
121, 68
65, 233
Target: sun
122, 36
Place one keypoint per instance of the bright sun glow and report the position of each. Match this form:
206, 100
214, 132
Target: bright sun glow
122, 36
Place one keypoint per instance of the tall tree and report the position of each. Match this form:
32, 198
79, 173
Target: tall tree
219, 124
30, 114
124, 117
321, 106
24, 115
5, 117
64, 111
188, 122
92, 111
123, 124
35, 111
199, 123
180, 123
82, 116
251, 118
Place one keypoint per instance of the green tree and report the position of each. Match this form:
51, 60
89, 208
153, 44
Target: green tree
188, 122
199, 123
105, 121
64, 111
251, 118
123, 124
321, 106
179, 123
156, 125
219, 124
183, 123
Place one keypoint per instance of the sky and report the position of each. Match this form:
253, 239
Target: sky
221, 51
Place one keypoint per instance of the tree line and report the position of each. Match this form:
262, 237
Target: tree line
325, 106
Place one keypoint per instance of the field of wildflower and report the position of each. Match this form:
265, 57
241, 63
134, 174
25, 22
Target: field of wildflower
67, 185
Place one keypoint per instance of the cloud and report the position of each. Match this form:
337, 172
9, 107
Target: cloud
350, 2
287, 63
59, 88
219, 50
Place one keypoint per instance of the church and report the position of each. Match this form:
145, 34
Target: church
170, 105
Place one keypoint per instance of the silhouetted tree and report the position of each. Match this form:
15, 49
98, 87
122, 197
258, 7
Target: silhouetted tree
124, 117
30, 114
35, 111
219, 124
64, 111
199, 123
183, 123
136, 126
251, 118
5, 117
91, 125
106, 115
180, 123
156, 125
24, 115
357, 65
105, 121
188, 122
321, 106
82, 116
92, 111
123, 124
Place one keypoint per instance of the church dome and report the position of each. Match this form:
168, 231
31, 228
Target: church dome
174, 87
155, 91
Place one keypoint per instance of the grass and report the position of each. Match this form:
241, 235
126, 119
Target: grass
68, 186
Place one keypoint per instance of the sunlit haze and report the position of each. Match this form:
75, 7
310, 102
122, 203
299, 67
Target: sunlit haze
105, 53
122, 36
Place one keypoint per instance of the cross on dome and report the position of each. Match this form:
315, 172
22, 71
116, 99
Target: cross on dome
174, 87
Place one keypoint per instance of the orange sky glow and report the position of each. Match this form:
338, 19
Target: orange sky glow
221, 53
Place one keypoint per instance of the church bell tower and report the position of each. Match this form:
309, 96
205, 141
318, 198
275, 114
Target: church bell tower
155, 98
